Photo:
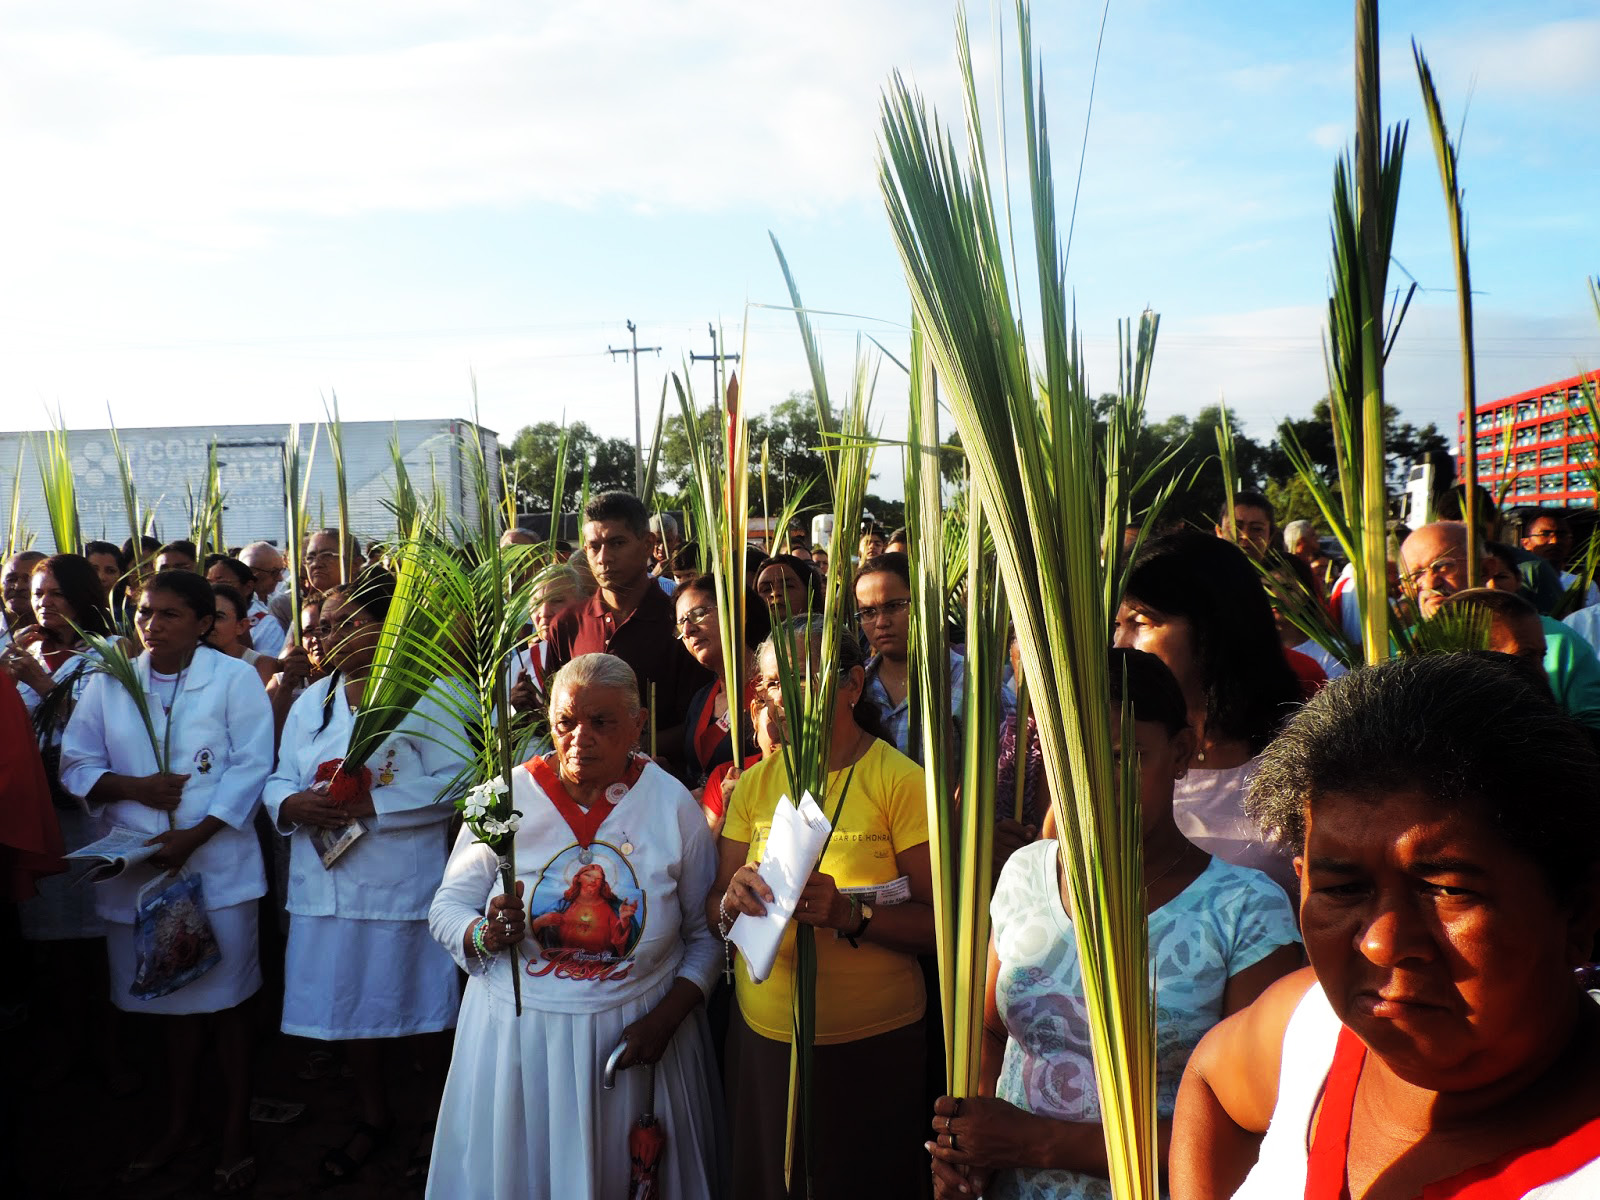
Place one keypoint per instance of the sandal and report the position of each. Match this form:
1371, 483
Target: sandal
141, 1169
421, 1155
341, 1166
228, 1181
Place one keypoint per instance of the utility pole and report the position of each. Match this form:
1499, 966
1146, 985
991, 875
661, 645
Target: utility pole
716, 359
633, 352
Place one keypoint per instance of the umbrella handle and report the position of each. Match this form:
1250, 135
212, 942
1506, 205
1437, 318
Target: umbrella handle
609, 1079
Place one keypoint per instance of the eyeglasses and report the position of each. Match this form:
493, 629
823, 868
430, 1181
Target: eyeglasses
1439, 566
313, 557
267, 572
696, 617
891, 608
329, 628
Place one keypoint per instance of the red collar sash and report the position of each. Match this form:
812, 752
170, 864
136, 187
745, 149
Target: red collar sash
1509, 1177
584, 823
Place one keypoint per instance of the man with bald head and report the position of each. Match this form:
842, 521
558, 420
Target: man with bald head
266, 569
1433, 564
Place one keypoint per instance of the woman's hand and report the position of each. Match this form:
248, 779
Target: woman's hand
312, 808
506, 919
958, 1183
161, 792
649, 1036
747, 892
24, 667
176, 847
822, 904
983, 1134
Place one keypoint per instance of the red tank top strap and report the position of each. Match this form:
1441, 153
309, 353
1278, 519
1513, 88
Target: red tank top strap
1516, 1174
1330, 1147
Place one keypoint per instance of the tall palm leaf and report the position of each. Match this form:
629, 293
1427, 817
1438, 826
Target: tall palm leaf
1040, 476
1454, 198
53, 453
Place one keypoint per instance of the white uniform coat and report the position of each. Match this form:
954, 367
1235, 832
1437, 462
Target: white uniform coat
524, 1116
221, 738
392, 871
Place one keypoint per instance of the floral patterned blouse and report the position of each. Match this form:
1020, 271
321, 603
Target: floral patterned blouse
1228, 919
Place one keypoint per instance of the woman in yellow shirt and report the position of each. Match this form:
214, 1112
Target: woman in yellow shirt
870, 901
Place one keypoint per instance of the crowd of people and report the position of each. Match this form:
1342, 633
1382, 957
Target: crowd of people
1371, 893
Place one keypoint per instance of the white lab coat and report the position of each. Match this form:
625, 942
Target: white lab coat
392, 871
221, 738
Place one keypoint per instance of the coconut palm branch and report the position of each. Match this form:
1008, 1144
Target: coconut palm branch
453, 627
60, 489
335, 428
1454, 198
18, 537
721, 498
808, 680
1039, 473
130, 495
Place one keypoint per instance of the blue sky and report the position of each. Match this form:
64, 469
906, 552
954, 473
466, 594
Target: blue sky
216, 212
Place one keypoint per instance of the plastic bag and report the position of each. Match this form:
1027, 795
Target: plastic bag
173, 941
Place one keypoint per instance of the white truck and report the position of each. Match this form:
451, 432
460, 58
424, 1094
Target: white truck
167, 462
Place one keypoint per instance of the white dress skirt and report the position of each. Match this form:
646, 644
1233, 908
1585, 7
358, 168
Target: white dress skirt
349, 978
233, 980
529, 1119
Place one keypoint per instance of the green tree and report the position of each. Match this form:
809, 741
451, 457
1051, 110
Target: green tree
531, 461
1403, 444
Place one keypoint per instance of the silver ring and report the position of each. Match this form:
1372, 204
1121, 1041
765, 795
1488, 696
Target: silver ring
949, 1121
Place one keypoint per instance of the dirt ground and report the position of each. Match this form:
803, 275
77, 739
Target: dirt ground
65, 1133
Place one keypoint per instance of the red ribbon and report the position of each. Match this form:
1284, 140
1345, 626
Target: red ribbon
344, 787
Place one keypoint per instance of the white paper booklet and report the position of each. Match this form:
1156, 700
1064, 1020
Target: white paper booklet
793, 848
113, 854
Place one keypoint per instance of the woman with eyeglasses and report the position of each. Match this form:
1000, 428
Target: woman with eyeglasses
883, 608
707, 736
211, 718
361, 967
870, 903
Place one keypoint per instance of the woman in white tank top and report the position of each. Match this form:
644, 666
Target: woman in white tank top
1445, 818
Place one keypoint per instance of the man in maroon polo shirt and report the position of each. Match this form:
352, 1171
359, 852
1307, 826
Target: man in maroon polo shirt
630, 616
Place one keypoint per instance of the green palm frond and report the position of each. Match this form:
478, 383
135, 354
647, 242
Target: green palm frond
18, 537
1454, 198
54, 456
335, 428
1040, 476
130, 495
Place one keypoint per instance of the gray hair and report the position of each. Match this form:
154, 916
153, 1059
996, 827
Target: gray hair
1294, 531
812, 629
558, 578
596, 670
664, 524
253, 554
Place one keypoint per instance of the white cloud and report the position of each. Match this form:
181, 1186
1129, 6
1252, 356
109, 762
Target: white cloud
140, 144
1554, 59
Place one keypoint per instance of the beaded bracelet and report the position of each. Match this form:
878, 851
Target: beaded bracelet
724, 927
478, 946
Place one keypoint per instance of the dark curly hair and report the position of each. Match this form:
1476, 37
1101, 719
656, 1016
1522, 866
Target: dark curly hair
1466, 729
1249, 688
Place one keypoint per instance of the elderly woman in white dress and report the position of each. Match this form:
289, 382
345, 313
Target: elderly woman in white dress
360, 967
211, 716
613, 863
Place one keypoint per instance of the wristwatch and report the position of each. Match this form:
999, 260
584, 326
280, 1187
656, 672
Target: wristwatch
865, 910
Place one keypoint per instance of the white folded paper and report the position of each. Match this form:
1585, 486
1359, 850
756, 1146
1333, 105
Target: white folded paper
793, 847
